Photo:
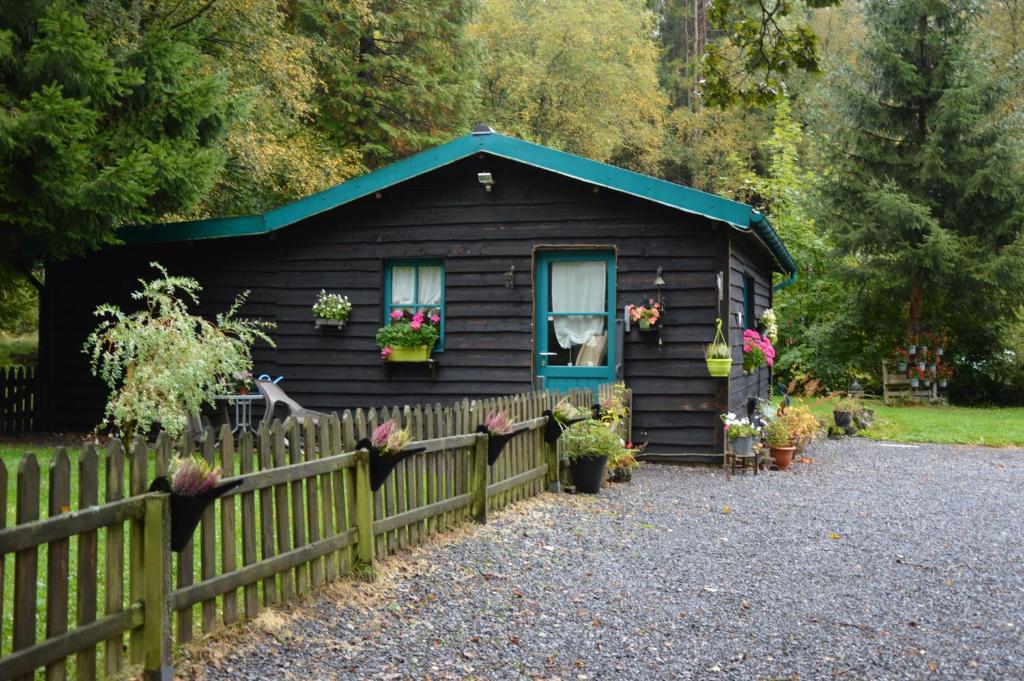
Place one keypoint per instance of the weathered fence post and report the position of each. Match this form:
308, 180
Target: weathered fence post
156, 631
364, 507
478, 480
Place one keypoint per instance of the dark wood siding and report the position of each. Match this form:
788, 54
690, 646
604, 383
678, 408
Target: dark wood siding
489, 328
747, 260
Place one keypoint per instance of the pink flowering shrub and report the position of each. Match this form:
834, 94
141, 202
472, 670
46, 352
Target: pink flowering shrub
192, 476
389, 438
499, 423
408, 330
650, 312
757, 351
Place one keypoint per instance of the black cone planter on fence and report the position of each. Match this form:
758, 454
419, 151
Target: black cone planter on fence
186, 512
553, 428
588, 473
381, 465
495, 444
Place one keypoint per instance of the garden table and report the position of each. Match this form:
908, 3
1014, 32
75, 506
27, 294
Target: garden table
243, 409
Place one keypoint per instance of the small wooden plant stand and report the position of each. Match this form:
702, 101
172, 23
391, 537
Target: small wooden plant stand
896, 385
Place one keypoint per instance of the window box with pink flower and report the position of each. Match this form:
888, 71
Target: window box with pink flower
409, 337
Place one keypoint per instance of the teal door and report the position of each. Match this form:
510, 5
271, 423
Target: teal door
575, 342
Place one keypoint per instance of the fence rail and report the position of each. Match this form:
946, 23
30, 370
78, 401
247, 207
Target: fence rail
302, 515
17, 399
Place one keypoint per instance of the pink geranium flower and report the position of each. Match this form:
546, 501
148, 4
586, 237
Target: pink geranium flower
416, 324
385, 352
396, 315
435, 319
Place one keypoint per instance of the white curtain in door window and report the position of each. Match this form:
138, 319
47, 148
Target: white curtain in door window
430, 286
578, 286
403, 285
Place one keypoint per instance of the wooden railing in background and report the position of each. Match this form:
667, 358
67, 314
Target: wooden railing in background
303, 515
17, 399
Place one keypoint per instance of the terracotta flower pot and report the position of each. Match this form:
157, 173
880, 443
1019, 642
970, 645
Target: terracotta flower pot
783, 456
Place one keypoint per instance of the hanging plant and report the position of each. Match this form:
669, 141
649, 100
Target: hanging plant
388, 448
193, 484
757, 351
560, 417
646, 317
498, 426
331, 309
718, 354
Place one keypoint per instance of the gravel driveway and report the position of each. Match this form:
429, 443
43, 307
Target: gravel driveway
873, 562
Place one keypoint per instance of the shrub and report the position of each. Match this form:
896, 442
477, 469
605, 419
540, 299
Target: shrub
162, 363
591, 438
800, 422
777, 434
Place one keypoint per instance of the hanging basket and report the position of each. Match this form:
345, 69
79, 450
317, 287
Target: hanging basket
381, 465
186, 512
719, 367
495, 444
553, 428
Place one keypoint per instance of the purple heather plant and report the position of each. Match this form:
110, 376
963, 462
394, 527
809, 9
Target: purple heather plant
192, 476
499, 423
389, 438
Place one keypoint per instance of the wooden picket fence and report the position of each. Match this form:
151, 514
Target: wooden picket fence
17, 399
302, 516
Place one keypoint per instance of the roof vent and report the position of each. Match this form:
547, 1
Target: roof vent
482, 129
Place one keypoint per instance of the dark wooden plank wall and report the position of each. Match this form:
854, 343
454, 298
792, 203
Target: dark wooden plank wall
747, 258
488, 345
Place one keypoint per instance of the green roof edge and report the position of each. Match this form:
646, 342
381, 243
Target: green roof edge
686, 199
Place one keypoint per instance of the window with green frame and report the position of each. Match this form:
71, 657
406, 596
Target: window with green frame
749, 316
415, 285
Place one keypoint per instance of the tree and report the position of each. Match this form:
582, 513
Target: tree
104, 122
574, 74
393, 77
163, 363
926, 175
766, 41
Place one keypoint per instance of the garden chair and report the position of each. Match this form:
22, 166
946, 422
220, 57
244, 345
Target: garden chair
275, 396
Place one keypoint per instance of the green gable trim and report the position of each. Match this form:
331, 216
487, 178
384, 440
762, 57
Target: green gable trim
734, 213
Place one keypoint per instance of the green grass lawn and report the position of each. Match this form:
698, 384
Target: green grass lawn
987, 426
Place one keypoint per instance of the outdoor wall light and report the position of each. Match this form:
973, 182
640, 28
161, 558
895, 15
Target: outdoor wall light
486, 180
658, 281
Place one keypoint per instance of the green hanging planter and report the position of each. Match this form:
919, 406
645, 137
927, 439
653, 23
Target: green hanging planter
718, 354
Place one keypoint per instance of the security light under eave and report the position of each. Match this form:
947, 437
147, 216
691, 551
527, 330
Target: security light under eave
486, 180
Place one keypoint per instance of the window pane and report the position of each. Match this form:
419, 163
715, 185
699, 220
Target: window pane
403, 285
430, 285
579, 286
580, 341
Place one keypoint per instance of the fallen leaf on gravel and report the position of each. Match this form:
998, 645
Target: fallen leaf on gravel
834, 535
726, 509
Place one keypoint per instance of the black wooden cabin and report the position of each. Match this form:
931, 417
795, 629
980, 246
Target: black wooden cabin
535, 249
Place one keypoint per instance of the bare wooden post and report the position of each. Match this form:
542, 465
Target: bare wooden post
364, 507
156, 630
478, 480
88, 495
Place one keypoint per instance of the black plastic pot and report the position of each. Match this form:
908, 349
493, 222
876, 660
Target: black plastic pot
495, 444
844, 419
186, 512
381, 465
553, 428
588, 473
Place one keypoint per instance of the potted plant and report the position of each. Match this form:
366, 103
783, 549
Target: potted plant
560, 417
769, 325
843, 411
646, 317
946, 372
914, 380
803, 427
757, 351
718, 354
589, 444
387, 448
409, 337
620, 468
331, 309
193, 484
498, 426
243, 381
780, 443
901, 359
740, 432
912, 347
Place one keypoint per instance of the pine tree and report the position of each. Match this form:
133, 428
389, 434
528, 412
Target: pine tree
103, 123
925, 190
